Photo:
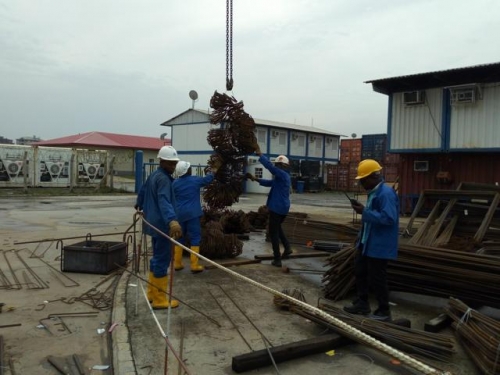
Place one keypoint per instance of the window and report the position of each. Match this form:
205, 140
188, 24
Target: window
319, 143
258, 172
302, 141
261, 136
281, 139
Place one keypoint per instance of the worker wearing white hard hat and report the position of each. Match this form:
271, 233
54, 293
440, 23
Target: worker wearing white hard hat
189, 212
278, 202
157, 201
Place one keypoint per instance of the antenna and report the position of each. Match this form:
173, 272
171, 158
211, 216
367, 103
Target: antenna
194, 96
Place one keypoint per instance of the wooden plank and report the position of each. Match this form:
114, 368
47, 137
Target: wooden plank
233, 262
261, 358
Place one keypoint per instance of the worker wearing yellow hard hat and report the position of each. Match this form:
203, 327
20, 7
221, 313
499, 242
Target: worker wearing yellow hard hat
377, 241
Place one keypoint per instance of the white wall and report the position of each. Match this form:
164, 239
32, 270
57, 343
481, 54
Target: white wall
417, 126
476, 125
257, 170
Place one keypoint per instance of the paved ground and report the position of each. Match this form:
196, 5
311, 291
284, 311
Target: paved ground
127, 337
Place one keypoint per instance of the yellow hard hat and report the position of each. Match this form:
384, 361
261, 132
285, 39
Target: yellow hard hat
367, 167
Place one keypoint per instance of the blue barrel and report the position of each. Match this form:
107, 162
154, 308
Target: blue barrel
300, 187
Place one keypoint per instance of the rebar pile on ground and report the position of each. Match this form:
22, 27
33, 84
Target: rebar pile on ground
339, 280
478, 334
258, 220
471, 277
235, 222
217, 245
231, 144
301, 230
430, 345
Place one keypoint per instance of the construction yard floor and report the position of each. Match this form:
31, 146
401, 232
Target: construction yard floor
222, 315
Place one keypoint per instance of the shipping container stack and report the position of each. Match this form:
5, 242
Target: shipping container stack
341, 177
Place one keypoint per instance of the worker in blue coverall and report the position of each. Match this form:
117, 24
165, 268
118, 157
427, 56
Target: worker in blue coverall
377, 241
189, 212
278, 202
157, 201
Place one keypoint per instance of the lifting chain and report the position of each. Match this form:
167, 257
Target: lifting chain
229, 45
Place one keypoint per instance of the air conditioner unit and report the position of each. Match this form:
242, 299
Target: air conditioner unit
414, 97
463, 96
312, 138
295, 136
275, 133
329, 140
468, 93
14, 167
92, 169
54, 168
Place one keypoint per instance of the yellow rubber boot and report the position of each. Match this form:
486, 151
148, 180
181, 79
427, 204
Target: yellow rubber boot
151, 288
160, 299
178, 258
195, 267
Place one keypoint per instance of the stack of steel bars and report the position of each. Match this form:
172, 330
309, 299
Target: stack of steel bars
474, 278
430, 345
479, 335
301, 230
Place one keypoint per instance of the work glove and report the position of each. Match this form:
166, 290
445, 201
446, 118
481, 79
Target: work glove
216, 165
175, 230
256, 146
250, 176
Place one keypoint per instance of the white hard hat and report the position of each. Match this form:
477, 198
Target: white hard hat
168, 153
182, 167
282, 159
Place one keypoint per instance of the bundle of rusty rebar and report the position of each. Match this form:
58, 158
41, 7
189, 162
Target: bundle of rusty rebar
231, 143
302, 230
479, 335
474, 278
258, 220
430, 345
219, 228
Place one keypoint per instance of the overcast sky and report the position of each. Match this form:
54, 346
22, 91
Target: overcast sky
123, 66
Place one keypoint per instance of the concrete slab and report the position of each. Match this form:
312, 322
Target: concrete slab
135, 344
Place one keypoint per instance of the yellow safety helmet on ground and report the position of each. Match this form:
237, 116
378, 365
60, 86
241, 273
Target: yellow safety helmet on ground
367, 167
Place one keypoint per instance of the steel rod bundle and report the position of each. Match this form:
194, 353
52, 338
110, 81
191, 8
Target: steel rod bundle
302, 230
479, 334
231, 143
430, 345
474, 278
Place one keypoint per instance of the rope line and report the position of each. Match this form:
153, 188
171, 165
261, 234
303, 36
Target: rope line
367, 339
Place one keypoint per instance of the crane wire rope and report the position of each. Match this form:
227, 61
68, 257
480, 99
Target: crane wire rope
229, 45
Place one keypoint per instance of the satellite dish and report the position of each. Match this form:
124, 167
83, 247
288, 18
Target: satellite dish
193, 95
354, 135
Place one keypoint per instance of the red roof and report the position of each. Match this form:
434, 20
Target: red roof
107, 140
